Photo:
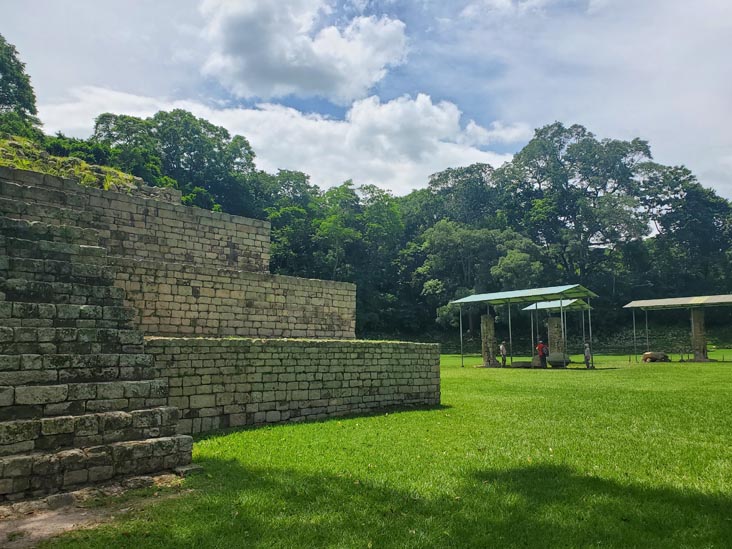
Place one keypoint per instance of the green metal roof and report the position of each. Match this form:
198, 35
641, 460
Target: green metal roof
562, 304
571, 291
682, 302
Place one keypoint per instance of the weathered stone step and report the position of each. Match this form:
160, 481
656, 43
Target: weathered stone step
37, 401
16, 340
48, 213
38, 180
49, 270
59, 251
37, 230
56, 433
36, 474
41, 194
51, 315
36, 369
20, 289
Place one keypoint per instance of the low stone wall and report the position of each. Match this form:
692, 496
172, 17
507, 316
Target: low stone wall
54, 433
187, 300
139, 225
37, 474
234, 382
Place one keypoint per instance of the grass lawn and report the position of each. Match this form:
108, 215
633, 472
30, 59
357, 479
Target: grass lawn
623, 456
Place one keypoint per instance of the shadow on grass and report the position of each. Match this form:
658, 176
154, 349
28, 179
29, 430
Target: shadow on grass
384, 411
535, 506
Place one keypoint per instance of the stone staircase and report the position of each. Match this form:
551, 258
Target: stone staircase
78, 403
52, 205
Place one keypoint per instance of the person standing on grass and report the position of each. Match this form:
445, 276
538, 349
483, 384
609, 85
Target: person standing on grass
543, 353
502, 350
588, 357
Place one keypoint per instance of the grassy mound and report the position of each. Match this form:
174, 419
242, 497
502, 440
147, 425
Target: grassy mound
21, 153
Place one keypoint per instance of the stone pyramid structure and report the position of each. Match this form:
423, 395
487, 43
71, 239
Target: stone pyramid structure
78, 401
129, 321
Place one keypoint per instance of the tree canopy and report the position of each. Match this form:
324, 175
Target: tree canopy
568, 208
17, 97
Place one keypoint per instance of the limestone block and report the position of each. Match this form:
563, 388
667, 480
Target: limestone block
202, 401
107, 405
9, 363
115, 421
16, 466
75, 477
110, 391
85, 426
40, 394
18, 431
7, 396
6, 486
57, 425
101, 473
145, 418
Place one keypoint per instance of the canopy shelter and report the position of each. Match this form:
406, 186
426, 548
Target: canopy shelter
552, 293
561, 306
695, 305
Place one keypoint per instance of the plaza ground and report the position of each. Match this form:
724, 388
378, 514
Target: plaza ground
627, 455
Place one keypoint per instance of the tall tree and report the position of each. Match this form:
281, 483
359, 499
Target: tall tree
16, 92
17, 98
576, 195
212, 168
297, 204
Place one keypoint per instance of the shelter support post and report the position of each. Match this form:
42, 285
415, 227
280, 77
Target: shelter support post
564, 330
584, 339
510, 332
589, 317
531, 316
635, 346
462, 357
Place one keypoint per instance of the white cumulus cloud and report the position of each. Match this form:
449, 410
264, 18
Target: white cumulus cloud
657, 69
268, 49
395, 145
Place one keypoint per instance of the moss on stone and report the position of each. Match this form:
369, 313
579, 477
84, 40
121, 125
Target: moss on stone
20, 153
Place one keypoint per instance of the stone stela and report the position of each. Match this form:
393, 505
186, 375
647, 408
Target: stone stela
129, 321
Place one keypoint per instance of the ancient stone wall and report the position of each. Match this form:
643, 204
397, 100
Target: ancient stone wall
175, 299
223, 383
139, 225
79, 401
87, 276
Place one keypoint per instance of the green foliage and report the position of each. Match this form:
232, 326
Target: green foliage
213, 169
569, 208
201, 198
17, 152
14, 124
89, 151
511, 459
16, 92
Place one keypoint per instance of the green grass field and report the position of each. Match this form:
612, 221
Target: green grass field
622, 456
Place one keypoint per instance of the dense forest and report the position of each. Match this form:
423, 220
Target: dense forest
569, 208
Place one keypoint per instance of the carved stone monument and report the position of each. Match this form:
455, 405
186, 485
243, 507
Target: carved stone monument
488, 341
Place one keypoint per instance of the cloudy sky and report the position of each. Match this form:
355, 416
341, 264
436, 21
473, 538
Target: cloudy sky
390, 91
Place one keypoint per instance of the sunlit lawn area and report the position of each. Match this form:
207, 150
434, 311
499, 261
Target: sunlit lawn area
624, 456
